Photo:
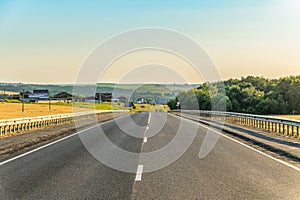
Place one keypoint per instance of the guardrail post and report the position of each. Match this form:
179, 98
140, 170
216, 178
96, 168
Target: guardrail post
279, 128
293, 131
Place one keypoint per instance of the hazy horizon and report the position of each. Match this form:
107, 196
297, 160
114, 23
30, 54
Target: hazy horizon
136, 83
46, 42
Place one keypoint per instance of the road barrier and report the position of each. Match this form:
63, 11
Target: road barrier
14, 126
287, 127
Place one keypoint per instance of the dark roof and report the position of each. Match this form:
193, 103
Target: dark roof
26, 92
40, 91
63, 95
103, 96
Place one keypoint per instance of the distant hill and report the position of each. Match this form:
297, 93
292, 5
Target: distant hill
161, 91
8, 92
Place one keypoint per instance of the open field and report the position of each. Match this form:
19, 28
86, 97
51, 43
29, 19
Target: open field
97, 106
8, 92
149, 107
14, 110
297, 117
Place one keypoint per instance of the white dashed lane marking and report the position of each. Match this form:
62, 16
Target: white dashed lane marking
139, 173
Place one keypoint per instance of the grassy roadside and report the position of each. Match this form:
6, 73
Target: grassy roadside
97, 106
150, 108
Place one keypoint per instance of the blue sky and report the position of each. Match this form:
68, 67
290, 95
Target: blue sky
248, 37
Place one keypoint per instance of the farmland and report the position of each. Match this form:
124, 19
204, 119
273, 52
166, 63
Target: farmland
297, 117
14, 110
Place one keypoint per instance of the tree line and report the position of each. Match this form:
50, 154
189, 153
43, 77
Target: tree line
253, 95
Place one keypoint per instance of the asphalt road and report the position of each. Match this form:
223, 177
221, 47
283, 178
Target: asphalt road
67, 170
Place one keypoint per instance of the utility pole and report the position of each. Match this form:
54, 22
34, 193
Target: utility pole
23, 103
49, 102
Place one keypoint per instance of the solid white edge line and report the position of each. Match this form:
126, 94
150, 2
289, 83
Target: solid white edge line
245, 145
139, 173
56, 141
267, 155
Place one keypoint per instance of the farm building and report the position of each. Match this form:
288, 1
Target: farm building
39, 95
26, 94
63, 95
104, 97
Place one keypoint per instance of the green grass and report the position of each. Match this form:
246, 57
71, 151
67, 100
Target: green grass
151, 108
12, 101
97, 106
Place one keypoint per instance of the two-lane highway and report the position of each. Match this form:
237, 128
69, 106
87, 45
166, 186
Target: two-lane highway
66, 169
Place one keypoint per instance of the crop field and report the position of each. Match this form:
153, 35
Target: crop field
14, 110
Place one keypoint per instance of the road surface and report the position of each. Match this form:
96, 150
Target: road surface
66, 170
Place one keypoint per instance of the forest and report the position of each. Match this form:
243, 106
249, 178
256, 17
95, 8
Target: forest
253, 95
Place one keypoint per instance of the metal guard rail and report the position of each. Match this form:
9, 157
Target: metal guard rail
12, 126
288, 127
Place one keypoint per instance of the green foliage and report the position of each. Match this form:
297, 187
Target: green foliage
12, 101
256, 95
172, 103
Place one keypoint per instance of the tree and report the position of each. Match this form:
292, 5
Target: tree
255, 95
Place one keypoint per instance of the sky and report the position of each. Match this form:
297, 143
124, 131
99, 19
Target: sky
48, 41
